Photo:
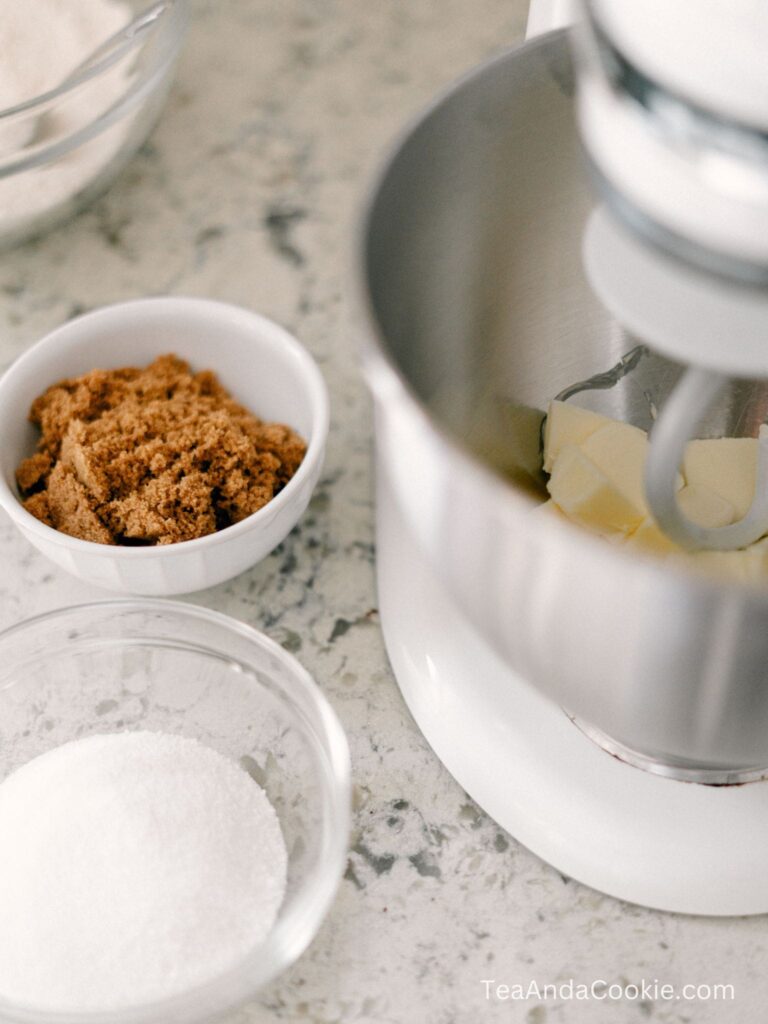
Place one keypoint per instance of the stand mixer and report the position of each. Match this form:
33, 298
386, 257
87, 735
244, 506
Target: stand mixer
609, 709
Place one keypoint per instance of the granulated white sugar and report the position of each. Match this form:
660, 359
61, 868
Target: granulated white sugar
133, 866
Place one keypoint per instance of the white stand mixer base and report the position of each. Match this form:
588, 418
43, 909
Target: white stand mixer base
634, 835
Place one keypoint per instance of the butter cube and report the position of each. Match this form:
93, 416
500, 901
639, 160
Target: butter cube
725, 465
597, 468
705, 507
588, 496
550, 510
650, 538
701, 505
567, 424
619, 450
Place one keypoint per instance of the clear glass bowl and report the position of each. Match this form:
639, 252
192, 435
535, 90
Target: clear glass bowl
171, 667
59, 150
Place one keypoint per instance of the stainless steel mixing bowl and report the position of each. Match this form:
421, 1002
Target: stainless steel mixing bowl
477, 312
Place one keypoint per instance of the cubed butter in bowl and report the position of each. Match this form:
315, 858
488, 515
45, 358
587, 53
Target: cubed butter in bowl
597, 479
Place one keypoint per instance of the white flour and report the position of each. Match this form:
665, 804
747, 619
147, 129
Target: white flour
133, 866
41, 42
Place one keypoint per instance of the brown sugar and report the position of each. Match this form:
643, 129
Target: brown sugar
151, 456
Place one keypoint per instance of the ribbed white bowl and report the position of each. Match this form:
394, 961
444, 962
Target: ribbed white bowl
261, 364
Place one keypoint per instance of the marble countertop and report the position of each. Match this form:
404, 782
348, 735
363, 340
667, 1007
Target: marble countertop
247, 192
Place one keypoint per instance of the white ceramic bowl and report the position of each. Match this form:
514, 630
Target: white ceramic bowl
262, 365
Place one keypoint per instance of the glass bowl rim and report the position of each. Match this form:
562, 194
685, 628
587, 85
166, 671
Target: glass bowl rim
176, 15
171, 27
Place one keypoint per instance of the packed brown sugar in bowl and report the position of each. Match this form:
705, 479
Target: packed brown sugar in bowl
151, 456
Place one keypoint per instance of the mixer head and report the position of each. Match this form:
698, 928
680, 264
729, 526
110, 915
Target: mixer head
679, 252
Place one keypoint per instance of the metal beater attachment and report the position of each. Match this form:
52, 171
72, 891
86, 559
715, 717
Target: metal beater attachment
677, 144
674, 427
717, 328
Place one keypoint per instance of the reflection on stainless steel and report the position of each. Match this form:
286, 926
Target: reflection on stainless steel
608, 378
642, 380
474, 289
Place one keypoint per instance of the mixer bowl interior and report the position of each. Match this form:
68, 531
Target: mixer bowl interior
478, 314
474, 261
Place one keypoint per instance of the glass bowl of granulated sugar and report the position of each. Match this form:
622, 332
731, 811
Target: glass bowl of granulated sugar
81, 85
174, 814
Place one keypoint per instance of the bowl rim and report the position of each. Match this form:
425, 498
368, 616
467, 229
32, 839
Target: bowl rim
308, 371
175, 13
171, 26
289, 936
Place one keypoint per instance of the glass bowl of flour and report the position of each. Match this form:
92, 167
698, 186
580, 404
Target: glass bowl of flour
81, 85
174, 813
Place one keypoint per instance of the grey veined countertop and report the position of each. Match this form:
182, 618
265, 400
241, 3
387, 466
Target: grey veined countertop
247, 192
